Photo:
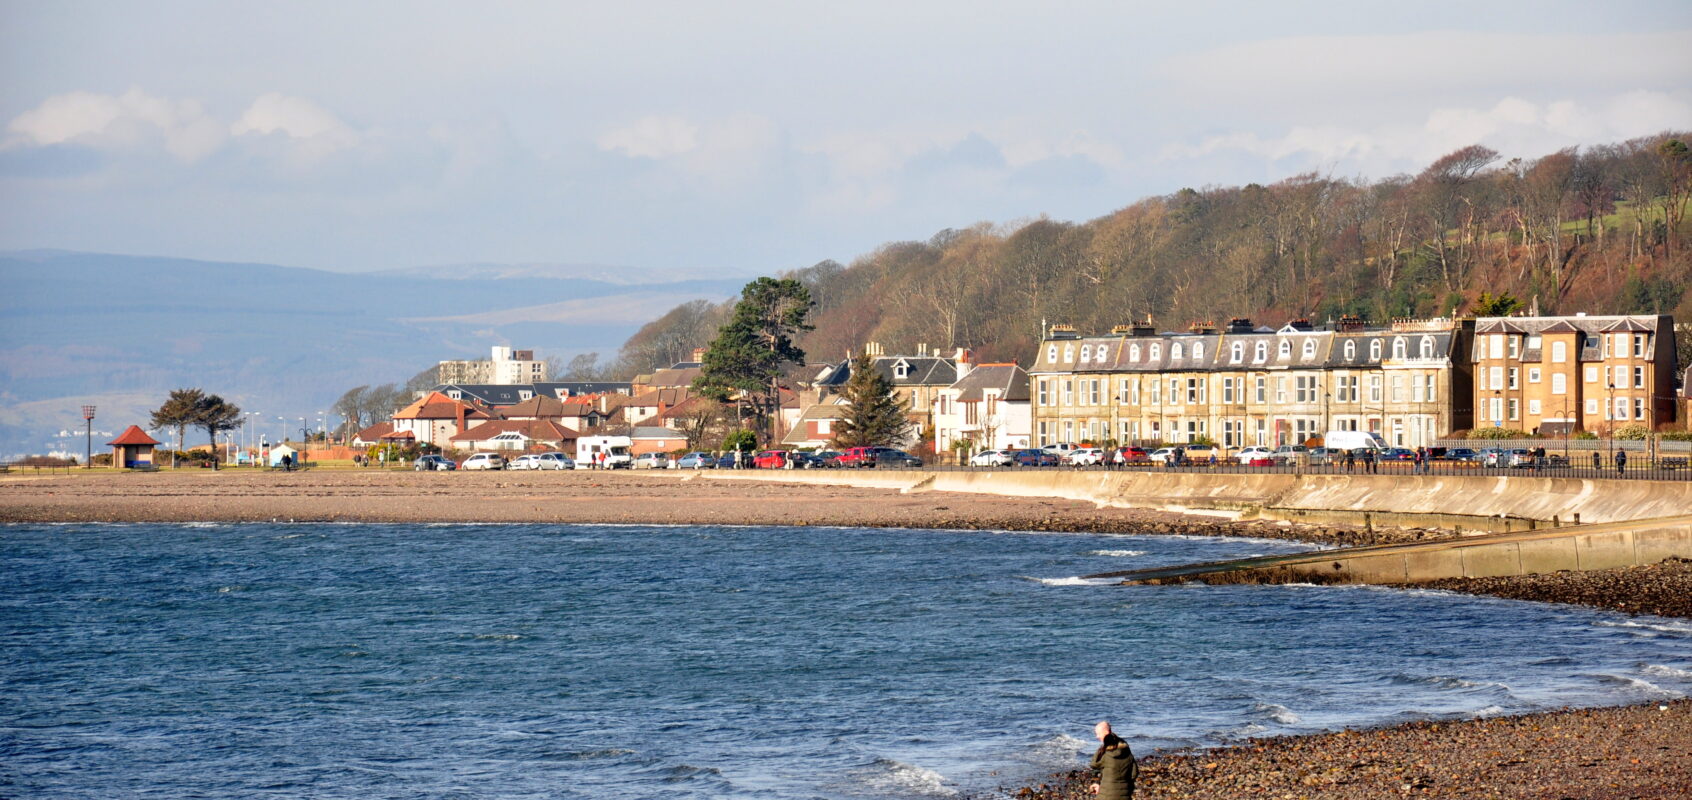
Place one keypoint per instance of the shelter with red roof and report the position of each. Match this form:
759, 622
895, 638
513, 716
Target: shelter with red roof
133, 449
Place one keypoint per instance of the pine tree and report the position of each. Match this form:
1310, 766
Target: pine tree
214, 415
178, 413
876, 417
750, 351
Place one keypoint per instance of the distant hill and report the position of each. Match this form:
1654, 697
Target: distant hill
121, 331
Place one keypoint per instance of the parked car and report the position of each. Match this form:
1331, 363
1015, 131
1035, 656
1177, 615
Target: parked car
542, 461
697, 461
1494, 456
993, 458
861, 456
1085, 457
652, 461
823, 459
435, 464
1397, 454
1061, 449
728, 460
1290, 453
887, 457
771, 459
1520, 457
1200, 453
481, 461
1461, 454
1131, 455
1318, 456
1036, 458
1254, 453
1163, 455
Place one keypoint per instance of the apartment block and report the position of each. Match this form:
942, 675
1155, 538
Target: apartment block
1558, 375
505, 367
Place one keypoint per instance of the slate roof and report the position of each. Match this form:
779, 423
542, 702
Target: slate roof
1010, 379
919, 371
537, 407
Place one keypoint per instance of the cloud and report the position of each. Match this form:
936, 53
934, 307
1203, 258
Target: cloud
1512, 125
316, 130
133, 120
652, 137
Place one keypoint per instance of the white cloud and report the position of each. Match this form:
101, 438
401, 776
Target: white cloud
314, 128
130, 120
652, 137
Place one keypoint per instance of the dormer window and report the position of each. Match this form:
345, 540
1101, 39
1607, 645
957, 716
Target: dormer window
1133, 352
1099, 354
1156, 351
901, 370
1236, 353
1051, 352
1068, 353
1262, 352
1375, 350
1175, 350
1350, 350
525, 394
1086, 353
1309, 349
1285, 350
1399, 350
1198, 351
455, 394
1427, 347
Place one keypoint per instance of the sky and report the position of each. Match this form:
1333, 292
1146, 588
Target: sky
735, 138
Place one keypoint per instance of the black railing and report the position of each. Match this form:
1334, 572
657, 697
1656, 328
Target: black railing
1668, 468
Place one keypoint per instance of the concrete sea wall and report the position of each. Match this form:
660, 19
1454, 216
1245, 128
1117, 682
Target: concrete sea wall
1469, 503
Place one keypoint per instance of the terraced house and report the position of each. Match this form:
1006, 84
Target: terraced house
1241, 384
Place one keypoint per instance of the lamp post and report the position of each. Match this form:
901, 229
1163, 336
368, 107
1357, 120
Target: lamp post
1610, 414
88, 456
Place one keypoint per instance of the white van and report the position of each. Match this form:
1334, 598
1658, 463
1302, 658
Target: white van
1353, 440
615, 448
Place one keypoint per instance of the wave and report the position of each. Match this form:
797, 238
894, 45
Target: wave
1059, 749
1647, 628
1664, 671
1452, 683
1637, 686
499, 637
1118, 553
1072, 581
1277, 712
887, 776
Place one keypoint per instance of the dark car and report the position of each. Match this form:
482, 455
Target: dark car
887, 457
1461, 454
726, 461
1398, 454
1036, 458
824, 459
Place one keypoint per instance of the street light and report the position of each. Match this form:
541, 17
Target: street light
88, 417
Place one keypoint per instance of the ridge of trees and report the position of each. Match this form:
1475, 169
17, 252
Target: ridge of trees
1599, 229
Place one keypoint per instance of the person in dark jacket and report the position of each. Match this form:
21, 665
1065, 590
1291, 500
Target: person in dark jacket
1115, 764
1621, 461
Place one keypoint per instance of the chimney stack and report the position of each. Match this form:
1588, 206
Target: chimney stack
964, 360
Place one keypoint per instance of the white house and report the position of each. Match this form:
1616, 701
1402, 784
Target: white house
988, 407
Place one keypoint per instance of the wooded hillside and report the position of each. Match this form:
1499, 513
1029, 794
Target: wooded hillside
1600, 230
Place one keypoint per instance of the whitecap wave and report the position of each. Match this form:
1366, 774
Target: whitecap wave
1637, 687
1118, 553
499, 637
1647, 628
1453, 683
889, 776
1073, 581
1665, 671
1059, 749
1277, 712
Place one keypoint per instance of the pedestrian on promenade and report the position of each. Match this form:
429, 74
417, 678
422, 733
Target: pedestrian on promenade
287, 463
1539, 457
1115, 764
1597, 460
1351, 461
1621, 461
1369, 462
1417, 461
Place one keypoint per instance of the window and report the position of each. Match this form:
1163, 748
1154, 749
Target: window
1433, 388
1350, 350
1533, 408
1639, 377
1533, 374
1497, 410
1121, 391
1497, 343
1618, 377
1399, 349
1621, 408
1044, 386
1309, 349
1192, 390
1418, 387
1133, 352
1198, 351
1156, 351
1591, 374
1051, 352
1591, 405
1281, 390
1228, 390
1533, 342
901, 370
1045, 437
1374, 388
1068, 392
1304, 388
1559, 383
1427, 347
1136, 390
1375, 350
1086, 353
1398, 388
1559, 352
1262, 390
1514, 375
1515, 408
1174, 391
1285, 350
1621, 349
1236, 353
1515, 349
1639, 350
1495, 377
1099, 354
1068, 353
1175, 350
1094, 394
1638, 408
1262, 353
1069, 430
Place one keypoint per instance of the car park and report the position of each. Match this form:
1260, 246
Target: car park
542, 461
435, 464
1085, 457
652, 461
1254, 453
1036, 458
481, 461
992, 458
697, 461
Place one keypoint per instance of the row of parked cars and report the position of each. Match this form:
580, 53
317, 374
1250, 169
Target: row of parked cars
851, 458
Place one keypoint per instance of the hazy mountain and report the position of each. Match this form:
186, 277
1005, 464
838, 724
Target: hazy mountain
120, 331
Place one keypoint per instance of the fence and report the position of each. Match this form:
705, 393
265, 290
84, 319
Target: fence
1636, 466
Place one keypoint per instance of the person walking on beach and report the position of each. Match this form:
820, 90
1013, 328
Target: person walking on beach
1115, 764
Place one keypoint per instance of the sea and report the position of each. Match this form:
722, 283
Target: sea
788, 663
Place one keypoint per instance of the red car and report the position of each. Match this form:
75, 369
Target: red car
1131, 455
861, 456
770, 459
